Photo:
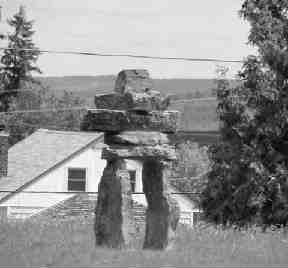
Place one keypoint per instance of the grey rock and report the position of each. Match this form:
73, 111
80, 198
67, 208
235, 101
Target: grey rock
133, 80
114, 220
160, 152
163, 213
117, 121
137, 138
113, 101
132, 101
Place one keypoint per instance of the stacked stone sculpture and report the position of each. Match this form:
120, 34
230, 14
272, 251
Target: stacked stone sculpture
136, 126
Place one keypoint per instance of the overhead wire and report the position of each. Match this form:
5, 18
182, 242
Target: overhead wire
128, 55
47, 110
77, 192
87, 107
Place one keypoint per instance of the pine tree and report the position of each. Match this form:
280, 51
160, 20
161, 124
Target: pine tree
248, 182
18, 64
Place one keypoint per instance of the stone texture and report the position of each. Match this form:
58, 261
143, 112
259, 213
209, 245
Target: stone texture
149, 101
113, 101
163, 213
133, 80
114, 221
117, 121
165, 152
137, 138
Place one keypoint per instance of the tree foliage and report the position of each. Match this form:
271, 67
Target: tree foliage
18, 64
55, 114
248, 180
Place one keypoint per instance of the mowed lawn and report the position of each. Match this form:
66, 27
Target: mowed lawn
71, 243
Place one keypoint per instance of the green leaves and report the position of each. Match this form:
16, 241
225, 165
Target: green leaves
18, 64
248, 180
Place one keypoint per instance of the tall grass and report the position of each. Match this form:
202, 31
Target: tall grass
71, 243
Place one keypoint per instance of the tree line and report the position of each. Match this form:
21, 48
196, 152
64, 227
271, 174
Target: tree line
20, 90
248, 180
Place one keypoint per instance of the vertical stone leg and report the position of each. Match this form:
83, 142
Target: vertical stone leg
114, 223
163, 213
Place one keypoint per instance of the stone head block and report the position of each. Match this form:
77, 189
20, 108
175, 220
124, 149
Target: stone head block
117, 121
164, 152
133, 80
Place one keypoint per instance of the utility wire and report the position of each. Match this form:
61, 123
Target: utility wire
193, 100
86, 107
76, 192
98, 54
47, 110
17, 90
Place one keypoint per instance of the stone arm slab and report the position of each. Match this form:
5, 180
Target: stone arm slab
142, 152
132, 101
117, 121
151, 138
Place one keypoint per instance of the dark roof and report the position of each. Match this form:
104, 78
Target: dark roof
40, 153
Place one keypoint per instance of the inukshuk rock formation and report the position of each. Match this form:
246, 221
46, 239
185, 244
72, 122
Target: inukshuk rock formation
136, 127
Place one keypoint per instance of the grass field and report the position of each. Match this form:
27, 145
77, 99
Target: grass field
71, 244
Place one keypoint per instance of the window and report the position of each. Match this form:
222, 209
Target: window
77, 179
132, 174
198, 217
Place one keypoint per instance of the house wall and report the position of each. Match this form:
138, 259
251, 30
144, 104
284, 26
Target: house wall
24, 204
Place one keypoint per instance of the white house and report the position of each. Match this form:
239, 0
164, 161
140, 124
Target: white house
53, 161
37, 173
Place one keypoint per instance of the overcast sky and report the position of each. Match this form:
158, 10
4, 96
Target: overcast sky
176, 28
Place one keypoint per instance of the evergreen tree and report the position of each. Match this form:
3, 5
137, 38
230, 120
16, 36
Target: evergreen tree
18, 64
248, 181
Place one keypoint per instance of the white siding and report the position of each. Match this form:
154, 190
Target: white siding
20, 204
56, 180
137, 165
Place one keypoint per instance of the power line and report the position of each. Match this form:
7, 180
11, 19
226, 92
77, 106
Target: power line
98, 54
47, 110
86, 107
76, 192
194, 99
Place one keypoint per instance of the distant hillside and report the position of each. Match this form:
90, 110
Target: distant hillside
195, 115
87, 86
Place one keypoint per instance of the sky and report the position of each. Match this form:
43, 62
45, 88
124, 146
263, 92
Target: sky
173, 28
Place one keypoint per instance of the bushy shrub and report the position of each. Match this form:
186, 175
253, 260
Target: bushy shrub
248, 178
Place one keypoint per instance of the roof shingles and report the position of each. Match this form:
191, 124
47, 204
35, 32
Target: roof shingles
40, 152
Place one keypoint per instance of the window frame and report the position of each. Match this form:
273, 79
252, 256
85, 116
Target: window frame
133, 183
86, 181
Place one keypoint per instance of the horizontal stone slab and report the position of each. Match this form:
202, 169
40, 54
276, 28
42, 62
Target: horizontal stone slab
149, 101
113, 101
137, 138
160, 152
117, 121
